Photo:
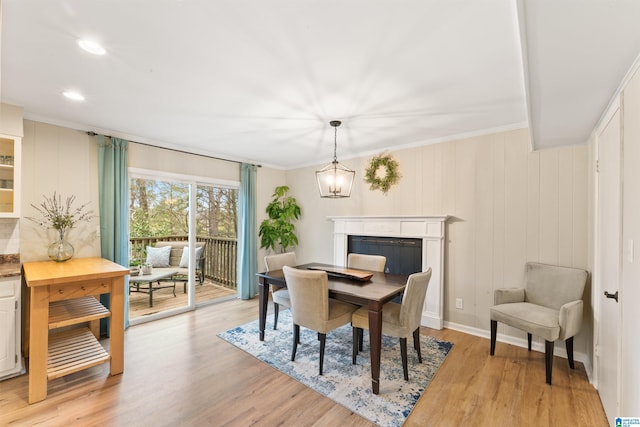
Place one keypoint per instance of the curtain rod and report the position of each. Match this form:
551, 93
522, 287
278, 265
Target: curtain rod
92, 133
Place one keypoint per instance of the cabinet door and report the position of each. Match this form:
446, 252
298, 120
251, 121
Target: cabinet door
7, 334
10, 156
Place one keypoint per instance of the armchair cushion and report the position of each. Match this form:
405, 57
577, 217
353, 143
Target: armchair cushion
532, 318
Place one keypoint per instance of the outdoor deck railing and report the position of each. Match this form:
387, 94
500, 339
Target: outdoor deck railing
220, 254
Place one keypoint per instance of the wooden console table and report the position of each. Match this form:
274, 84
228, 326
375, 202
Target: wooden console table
63, 294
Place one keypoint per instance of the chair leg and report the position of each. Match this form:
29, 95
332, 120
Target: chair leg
569, 344
548, 359
529, 340
354, 345
360, 338
323, 338
296, 339
416, 343
494, 330
276, 310
403, 353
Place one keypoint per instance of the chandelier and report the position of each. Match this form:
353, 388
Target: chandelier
335, 180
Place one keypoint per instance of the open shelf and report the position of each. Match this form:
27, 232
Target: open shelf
73, 350
75, 311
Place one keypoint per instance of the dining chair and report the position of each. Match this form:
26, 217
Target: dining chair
549, 306
398, 320
312, 308
280, 296
366, 262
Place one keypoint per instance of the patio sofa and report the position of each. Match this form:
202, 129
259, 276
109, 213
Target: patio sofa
179, 262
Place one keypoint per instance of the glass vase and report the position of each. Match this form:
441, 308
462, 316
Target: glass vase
60, 250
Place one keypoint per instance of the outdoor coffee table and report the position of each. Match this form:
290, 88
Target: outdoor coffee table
135, 282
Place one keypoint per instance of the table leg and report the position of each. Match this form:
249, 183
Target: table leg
150, 294
375, 343
263, 289
38, 342
116, 326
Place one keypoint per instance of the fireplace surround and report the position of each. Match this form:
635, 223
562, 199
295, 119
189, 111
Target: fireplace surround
429, 229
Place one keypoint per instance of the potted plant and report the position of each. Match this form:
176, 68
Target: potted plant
278, 232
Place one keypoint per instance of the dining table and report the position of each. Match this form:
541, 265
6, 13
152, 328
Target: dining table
373, 293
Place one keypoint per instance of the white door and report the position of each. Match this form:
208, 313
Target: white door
608, 269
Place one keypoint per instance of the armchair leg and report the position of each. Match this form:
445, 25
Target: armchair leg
494, 331
548, 359
296, 339
416, 343
403, 353
323, 339
569, 344
354, 345
529, 340
276, 310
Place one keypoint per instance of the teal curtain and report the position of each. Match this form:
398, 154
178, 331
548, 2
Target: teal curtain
247, 233
113, 182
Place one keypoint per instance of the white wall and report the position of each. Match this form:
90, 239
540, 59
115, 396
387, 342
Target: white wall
65, 161
509, 206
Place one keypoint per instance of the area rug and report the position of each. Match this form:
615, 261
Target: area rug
343, 382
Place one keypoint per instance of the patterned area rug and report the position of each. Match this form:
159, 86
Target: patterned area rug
343, 382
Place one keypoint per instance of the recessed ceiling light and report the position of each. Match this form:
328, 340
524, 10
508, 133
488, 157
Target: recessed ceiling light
76, 96
92, 47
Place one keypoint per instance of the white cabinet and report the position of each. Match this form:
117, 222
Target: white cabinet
10, 156
10, 359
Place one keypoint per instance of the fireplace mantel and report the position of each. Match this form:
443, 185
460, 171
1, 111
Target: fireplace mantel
431, 229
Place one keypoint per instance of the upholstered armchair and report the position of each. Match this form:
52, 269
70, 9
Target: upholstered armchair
549, 306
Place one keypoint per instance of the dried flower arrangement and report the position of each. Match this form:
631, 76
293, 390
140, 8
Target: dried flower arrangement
58, 216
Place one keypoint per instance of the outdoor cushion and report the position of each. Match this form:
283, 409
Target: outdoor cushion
184, 261
158, 257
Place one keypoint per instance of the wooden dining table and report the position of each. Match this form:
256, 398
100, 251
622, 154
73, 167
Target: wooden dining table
373, 294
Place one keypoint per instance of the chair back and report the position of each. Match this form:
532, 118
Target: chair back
413, 299
309, 294
366, 262
276, 262
553, 286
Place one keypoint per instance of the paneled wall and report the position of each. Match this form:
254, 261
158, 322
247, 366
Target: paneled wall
509, 205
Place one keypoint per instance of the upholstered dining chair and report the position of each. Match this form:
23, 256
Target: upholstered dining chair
366, 262
312, 308
549, 306
398, 320
280, 296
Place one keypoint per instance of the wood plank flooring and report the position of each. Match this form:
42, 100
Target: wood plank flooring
178, 373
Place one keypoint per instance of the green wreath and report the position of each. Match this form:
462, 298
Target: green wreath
391, 175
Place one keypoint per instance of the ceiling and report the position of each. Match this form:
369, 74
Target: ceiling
259, 81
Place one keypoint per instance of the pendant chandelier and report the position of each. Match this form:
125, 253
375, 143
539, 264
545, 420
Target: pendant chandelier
335, 180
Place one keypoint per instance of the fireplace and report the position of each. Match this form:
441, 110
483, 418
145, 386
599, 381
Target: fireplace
410, 243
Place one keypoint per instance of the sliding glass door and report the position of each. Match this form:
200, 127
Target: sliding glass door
182, 244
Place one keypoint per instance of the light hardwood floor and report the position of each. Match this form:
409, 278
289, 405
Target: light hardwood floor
179, 373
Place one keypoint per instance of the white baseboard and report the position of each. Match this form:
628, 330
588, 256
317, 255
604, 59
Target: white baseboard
431, 321
559, 349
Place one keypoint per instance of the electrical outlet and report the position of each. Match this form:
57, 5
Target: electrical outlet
459, 303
